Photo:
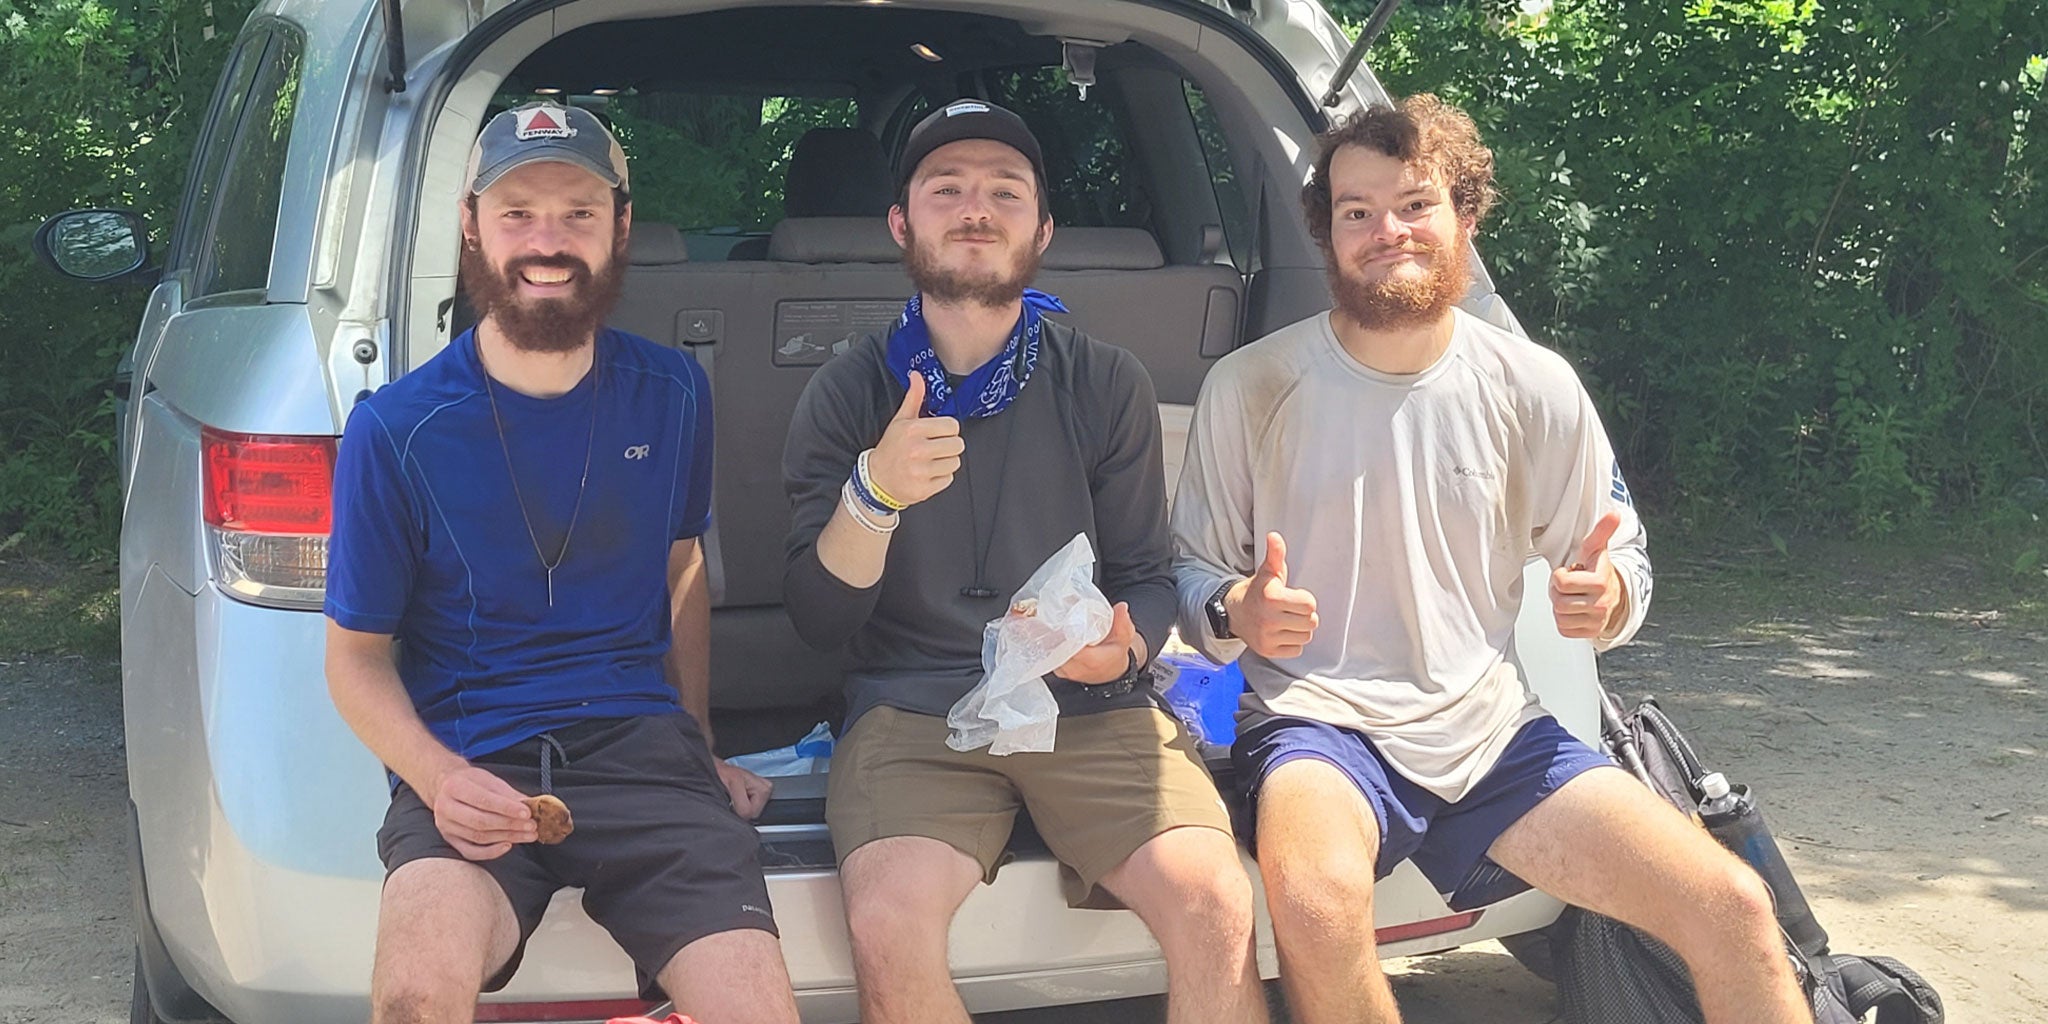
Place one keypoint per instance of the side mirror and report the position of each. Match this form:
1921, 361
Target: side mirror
94, 245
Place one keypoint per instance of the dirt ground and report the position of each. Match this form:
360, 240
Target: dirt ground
1891, 716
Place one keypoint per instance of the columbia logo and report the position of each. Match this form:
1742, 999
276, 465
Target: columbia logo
638, 451
1470, 473
1619, 491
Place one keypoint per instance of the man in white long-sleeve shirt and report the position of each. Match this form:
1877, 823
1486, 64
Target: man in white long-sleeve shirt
1413, 458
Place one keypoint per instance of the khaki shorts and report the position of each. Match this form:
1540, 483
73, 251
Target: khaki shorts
1115, 780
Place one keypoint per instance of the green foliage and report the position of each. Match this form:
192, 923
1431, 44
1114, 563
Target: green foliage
107, 99
716, 161
1800, 249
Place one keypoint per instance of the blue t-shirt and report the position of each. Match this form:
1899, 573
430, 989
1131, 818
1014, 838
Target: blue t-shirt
429, 543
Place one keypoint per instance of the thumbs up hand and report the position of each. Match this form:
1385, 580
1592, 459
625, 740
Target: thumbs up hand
918, 454
1586, 596
1272, 618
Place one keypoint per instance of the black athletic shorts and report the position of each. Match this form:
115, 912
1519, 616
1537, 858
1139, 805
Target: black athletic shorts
662, 858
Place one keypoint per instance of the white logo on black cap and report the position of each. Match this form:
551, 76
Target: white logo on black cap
966, 107
542, 123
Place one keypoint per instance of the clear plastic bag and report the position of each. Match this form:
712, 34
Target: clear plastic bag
1057, 612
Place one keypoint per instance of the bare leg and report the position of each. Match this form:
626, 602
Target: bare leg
443, 928
734, 977
1318, 843
901, 894
1189, 887
1606, 843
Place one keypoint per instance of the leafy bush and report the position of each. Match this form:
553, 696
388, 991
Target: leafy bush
1800, 249
107, 98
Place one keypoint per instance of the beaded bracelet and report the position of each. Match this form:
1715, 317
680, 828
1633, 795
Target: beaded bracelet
870, 489
861, 515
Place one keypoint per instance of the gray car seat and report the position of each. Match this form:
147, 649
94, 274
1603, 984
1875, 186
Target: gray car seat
833, 172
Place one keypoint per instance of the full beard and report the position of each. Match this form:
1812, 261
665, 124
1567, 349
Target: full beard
1400, 300
991, 288
544, 325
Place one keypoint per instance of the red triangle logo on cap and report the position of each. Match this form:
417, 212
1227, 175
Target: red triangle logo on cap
541, 123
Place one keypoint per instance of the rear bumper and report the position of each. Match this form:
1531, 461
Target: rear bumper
1014, 944
257, 812
303, 943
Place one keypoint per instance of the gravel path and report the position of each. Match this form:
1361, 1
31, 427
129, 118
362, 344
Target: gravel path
1897, 745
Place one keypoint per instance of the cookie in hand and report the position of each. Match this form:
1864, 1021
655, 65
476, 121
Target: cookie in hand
551, 818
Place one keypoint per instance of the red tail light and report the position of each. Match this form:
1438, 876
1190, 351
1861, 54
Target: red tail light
1425, 929
259, 483
269, 506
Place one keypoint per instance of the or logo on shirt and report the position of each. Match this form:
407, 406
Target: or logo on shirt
638, 451
1620, 490
541, 123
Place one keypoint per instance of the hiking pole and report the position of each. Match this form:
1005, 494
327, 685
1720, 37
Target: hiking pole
1619, 739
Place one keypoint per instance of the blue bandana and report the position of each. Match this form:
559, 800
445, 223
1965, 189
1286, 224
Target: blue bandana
993, 385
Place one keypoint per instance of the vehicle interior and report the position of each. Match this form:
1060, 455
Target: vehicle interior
762, 143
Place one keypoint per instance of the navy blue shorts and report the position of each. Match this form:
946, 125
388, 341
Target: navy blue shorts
1448, 841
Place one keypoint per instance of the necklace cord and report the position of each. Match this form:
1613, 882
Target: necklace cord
589, 447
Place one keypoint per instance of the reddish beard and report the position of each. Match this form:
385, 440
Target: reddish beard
990, 288
544, 325
1402, 300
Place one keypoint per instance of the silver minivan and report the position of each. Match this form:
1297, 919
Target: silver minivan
314, 260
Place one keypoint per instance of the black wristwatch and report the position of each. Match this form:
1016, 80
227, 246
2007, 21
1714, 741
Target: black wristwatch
1122, 684
1219, 616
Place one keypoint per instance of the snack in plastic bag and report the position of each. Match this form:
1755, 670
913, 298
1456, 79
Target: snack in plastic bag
1057, 612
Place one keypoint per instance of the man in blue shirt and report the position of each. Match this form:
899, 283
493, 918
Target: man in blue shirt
507, 511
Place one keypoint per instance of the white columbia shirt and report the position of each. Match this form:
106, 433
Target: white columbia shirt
1410, 506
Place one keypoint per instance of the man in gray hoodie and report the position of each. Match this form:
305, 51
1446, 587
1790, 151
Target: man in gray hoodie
929, 476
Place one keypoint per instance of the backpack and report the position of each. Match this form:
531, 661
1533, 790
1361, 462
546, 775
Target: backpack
1609, 973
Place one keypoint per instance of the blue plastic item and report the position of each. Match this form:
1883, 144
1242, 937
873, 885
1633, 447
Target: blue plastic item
811, 755
1204, 695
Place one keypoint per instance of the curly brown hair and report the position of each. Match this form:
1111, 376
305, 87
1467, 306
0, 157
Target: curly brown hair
1421, 129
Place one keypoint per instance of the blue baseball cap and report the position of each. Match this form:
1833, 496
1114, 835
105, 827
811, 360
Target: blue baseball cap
545, 131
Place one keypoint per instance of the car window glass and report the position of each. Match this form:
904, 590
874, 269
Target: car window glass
1087, 161
236, 253
716, 163
1223, 175
228, 102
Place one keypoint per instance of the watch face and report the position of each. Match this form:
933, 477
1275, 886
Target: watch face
1219, 619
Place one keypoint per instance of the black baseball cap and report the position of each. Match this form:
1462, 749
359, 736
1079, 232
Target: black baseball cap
968, 119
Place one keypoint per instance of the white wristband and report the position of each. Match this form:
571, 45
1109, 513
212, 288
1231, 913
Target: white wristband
858, 510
